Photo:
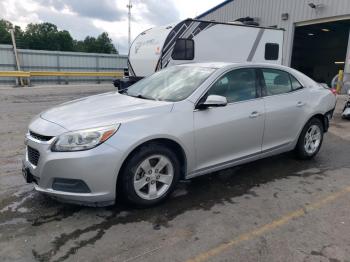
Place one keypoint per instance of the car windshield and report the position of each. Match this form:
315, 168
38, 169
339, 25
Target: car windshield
172, 84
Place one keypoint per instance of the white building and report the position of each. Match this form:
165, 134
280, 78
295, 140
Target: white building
316, 31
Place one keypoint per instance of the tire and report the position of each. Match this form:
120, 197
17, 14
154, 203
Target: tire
307, 149
141, 169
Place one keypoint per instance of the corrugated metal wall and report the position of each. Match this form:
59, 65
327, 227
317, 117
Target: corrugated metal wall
34, 60
269, 13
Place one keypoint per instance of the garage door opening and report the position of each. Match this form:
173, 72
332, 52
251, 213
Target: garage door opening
319, 50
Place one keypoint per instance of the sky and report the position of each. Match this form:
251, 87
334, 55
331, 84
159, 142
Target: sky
92, 17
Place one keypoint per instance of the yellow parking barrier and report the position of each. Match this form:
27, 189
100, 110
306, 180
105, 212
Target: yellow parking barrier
14, 74
76, 74
29, 74
58, 73
340, 81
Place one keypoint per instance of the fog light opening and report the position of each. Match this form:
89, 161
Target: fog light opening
70, 185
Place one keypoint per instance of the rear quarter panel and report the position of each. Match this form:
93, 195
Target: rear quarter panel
319, 101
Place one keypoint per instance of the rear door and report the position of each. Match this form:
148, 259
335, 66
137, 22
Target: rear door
285, 104
235, 131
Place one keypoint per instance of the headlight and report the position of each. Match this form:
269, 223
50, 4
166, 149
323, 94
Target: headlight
83, 139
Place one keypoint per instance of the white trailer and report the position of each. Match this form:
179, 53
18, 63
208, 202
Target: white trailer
202, 41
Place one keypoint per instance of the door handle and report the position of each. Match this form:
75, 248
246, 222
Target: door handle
300, 104
254, 114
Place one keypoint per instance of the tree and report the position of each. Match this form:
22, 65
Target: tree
65, 41
46, 36
78, 46
5, 37
101, 44
104, 44
90, 45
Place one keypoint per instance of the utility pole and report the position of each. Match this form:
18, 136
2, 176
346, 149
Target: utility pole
129, 6
12, 31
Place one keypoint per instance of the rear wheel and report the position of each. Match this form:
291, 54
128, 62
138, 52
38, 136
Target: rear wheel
150, 175
310, 139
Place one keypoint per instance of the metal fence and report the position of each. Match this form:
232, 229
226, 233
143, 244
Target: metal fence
37, 60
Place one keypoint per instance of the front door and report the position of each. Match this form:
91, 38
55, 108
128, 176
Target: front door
223, 134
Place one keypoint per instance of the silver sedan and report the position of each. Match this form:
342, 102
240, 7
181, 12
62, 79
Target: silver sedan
181, 122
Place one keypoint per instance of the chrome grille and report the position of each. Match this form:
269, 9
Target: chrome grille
40, 137
33, 155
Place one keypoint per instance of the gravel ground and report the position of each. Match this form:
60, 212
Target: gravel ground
276, 209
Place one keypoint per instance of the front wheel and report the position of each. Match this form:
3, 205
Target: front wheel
150, 175
310, 139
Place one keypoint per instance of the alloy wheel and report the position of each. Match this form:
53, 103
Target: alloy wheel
312, 139
153, 177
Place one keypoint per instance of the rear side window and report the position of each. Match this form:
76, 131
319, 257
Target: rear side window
271, 51
183, 50
276, 82
295, 83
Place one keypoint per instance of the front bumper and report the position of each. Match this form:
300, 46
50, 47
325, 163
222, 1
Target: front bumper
97, 168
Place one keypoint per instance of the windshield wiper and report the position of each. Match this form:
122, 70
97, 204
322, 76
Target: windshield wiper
141, 96
123, 91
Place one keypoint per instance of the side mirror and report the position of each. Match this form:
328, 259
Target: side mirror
213, 101
349, 92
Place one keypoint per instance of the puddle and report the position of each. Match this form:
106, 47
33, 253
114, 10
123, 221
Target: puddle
14, 221
179, 192
309, 171
13, 207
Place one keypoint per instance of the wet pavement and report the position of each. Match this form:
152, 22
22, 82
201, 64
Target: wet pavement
276, 209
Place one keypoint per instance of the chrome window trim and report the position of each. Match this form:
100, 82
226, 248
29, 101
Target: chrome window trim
289, 74
283, 94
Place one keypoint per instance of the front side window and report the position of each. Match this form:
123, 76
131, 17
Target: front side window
276, 82
183, 49
171, 84
237, 85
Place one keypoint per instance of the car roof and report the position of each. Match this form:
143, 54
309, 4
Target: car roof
218, 65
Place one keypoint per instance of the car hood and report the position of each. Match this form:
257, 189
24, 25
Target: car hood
103, 109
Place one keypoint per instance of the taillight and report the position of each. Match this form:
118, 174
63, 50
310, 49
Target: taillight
334, 91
